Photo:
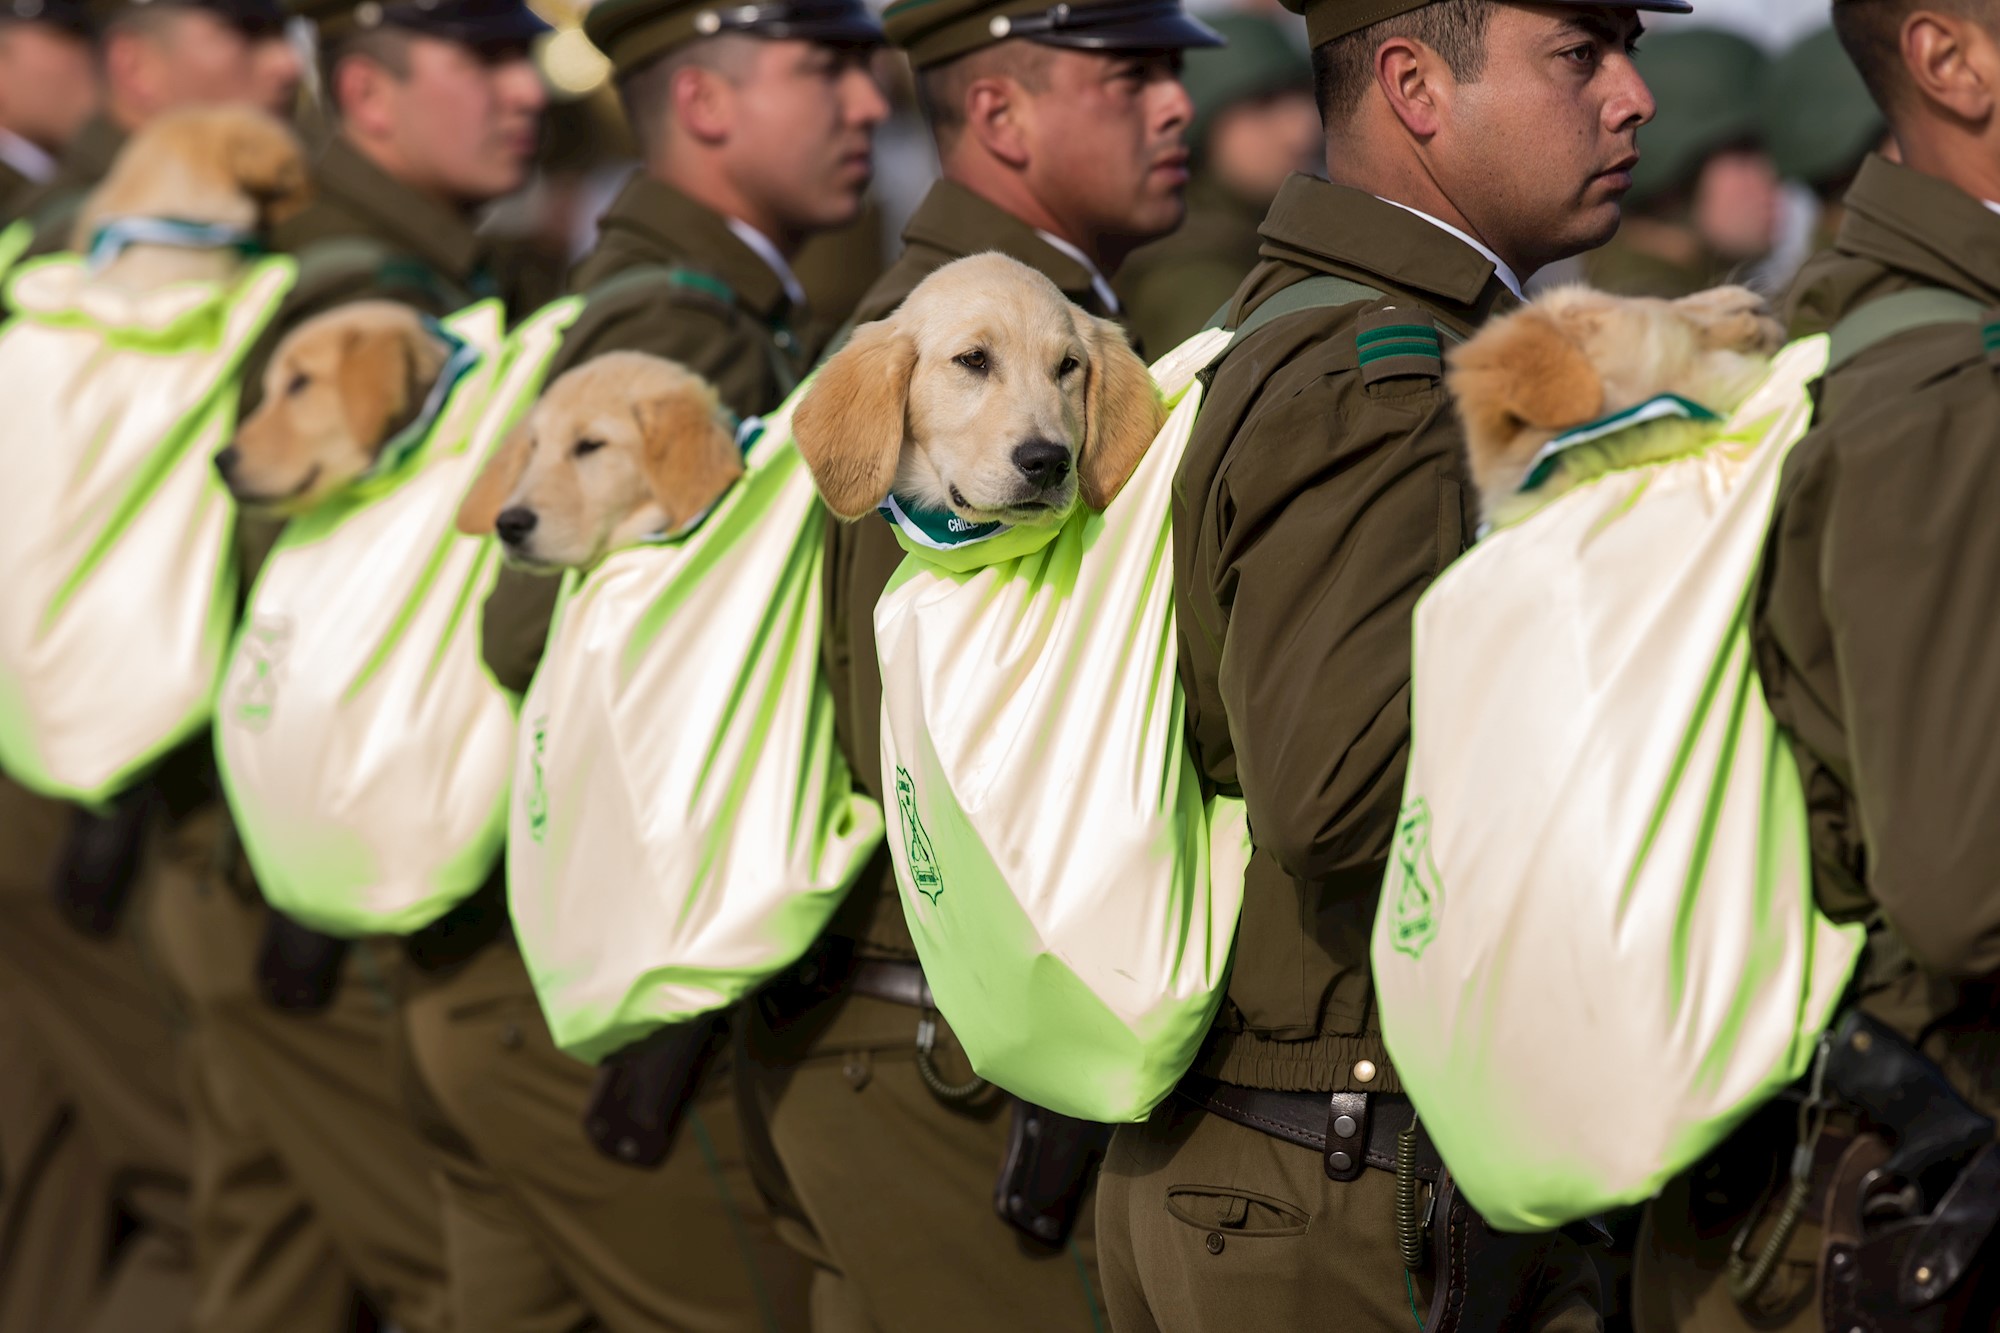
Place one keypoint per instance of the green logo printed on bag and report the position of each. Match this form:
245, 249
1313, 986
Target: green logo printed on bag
917, 843
538, 793
1416, 895
267, 640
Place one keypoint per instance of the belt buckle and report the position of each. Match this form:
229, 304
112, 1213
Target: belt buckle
1346, 1155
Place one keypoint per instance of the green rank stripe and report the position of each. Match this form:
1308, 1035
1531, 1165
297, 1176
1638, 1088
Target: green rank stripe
1399, 340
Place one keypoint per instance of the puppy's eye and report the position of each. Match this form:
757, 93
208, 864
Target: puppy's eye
586, 447
297, 385
974, 360
1067, 368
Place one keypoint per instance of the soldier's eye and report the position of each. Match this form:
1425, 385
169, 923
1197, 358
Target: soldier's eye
297, 385
587, 447
1067, 368
974, 360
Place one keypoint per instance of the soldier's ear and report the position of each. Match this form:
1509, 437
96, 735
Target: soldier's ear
481, 507
689, 456
850, 426
1122, 412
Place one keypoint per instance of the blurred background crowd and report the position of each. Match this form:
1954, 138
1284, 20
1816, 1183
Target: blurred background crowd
1763, 123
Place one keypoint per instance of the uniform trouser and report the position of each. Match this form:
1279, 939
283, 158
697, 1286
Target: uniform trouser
55, 1202
545, 1233
889, 1191
97, 1014
1680, 1273
1206, 1226
310, 1177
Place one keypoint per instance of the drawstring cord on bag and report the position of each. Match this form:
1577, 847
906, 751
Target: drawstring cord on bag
928, 1071
1748, 1278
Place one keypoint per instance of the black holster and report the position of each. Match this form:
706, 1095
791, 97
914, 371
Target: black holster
99, 866
463, 931
298, 970
1047, 1171
1487, 1281
1914, 1203
643, 1091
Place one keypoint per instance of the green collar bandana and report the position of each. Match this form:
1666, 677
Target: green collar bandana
120, 234
1666, 406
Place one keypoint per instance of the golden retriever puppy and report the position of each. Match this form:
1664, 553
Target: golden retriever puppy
623, 447
1578, 355
338, 387
230, 166
986, 394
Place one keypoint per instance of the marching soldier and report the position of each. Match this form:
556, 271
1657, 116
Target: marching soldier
1059, 129
755, 128
436, 109
1254, 125
48, 90
1322, 491
159, 55
1871, 630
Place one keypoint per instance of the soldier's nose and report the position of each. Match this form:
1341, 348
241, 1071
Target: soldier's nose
515, 524
1044, 463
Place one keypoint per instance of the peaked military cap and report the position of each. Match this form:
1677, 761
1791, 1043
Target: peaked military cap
259, 18
66, 14
480, 24
1819, 120
634, 33
934, 31
1707, 83
1330, 20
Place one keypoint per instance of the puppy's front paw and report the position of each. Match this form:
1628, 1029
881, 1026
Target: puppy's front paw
1734, 319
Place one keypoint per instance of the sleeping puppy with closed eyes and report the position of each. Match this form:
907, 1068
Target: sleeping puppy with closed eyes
987, 395
339, 387
1576, 356
623, 447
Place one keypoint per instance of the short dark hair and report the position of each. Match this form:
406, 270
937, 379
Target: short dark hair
387, 46
941, 88
1871, 31
1344, 68
647, 93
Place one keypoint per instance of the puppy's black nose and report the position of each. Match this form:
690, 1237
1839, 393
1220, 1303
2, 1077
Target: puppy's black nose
225, 462
1043, 463
515, 524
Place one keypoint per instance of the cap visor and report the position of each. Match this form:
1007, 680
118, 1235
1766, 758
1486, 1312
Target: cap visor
833, 30
1175, 31
1650, 6
515, 26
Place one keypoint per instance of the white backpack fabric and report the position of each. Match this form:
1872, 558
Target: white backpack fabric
1072, 895
364, 747
118, 548
684, 825
1597, 948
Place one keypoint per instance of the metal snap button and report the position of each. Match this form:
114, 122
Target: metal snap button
1344, 1126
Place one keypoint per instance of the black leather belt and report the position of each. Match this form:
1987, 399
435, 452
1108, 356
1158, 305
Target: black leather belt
885, 979
1350, 1130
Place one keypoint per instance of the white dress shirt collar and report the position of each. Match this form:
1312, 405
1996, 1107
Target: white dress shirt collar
1098, 282
768, 252
31, 160
1500, 267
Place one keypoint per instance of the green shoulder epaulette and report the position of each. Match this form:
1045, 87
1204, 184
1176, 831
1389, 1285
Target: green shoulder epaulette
1395, 341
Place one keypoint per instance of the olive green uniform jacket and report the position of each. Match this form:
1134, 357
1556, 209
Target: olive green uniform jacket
726, 317
1874, 621
52, 206
1316, 502
14, 191
1874, 635
1625, 269
1172, 287
951, 223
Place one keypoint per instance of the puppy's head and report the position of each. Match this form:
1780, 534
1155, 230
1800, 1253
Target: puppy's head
986, 394
337, 388
226, 164
1577, 355
623, 446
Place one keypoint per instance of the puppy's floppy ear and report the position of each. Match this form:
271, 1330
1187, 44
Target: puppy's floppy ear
850, 426
1122, 412
385, 368
266, 159
1519, 376
481, 506
689, 457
